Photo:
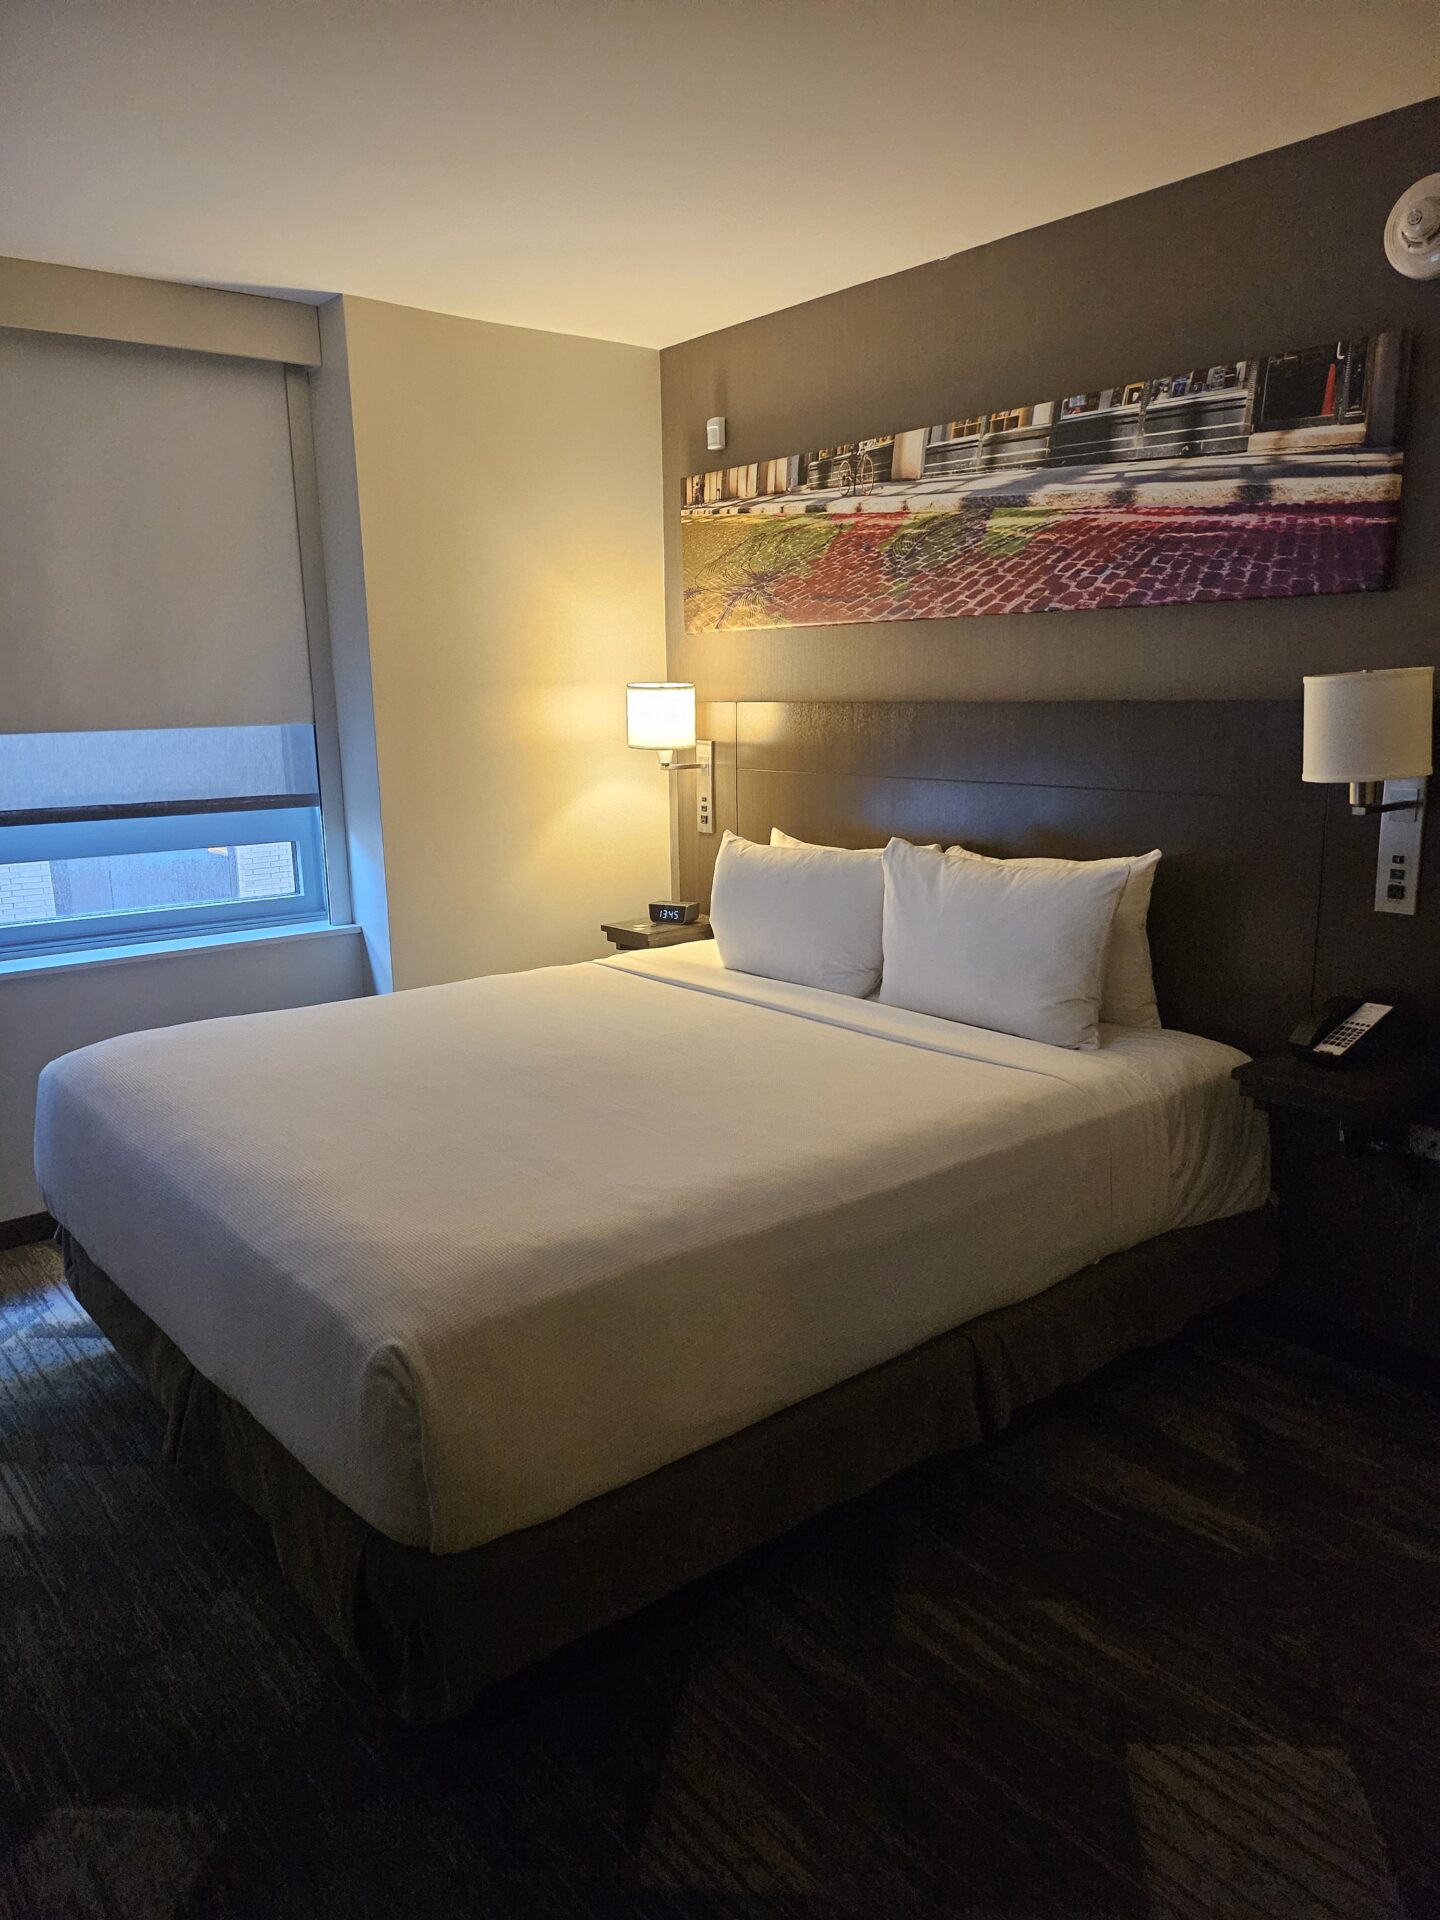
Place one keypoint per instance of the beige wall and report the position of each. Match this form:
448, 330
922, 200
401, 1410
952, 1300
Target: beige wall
492, 536
508, 493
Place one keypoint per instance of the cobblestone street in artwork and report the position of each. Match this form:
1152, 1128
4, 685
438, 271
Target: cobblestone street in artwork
983, 554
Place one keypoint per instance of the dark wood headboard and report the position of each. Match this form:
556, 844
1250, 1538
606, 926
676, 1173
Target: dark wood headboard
1262, 901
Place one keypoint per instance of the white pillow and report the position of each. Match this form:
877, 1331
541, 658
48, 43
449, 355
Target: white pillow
779, 839
808, 914
999, 944
1128, 996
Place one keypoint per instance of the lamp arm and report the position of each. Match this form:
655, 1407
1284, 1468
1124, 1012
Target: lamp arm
1365, 798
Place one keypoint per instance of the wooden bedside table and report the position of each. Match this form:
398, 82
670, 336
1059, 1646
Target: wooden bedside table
1358, 1100
1359, 1215
626, 934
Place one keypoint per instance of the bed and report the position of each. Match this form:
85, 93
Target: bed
513, 1304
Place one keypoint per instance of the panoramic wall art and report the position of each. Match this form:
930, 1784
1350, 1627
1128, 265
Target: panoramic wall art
1256, 480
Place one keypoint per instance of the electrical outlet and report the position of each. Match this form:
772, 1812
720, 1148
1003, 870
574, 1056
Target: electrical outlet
1397, 874
705, 786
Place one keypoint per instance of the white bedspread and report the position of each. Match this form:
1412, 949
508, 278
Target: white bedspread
477, 1253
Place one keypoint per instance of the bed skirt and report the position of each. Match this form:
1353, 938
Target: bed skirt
432, 1631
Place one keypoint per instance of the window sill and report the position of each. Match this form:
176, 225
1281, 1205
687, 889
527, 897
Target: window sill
84, 957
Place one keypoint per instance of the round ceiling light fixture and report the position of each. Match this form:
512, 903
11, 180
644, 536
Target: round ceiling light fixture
1412, 233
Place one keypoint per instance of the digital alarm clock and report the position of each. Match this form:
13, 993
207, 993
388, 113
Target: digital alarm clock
674, 913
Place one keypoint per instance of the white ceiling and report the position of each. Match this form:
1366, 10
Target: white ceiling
640, 170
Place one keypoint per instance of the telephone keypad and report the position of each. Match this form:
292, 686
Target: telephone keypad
1352, 1028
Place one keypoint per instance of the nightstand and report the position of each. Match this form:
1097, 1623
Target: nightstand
626, 934
1359, 1101
1359, 1214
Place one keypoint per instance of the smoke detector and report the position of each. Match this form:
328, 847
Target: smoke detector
1412, 233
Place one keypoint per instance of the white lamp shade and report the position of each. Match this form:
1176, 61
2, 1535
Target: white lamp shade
1368, 726
660, 714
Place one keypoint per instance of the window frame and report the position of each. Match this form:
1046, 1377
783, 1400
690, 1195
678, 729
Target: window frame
323, 700
95, 832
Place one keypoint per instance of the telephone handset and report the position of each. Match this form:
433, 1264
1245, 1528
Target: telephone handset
1351, 1029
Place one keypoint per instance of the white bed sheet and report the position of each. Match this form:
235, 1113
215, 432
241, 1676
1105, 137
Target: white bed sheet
477, 1253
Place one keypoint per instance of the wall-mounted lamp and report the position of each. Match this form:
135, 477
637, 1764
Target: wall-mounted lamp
660, 716
1371, 732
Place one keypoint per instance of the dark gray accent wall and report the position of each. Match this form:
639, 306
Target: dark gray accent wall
1280, 251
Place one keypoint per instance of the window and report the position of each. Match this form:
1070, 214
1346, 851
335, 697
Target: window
114, 837
158, 765
1315, 387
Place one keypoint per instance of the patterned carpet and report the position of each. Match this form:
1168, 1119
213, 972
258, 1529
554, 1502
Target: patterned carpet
1170, 1652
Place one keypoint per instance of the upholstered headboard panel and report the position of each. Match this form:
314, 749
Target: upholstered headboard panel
1261, 902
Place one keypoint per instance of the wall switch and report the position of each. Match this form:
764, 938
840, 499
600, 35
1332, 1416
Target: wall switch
715, 433
705, 786
1397, 875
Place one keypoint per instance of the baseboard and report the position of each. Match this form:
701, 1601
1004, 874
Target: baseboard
26, 1231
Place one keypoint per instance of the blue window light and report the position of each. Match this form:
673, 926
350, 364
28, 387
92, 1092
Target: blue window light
113, 838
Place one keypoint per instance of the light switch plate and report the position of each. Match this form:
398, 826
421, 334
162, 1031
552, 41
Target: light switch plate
705, 786
1397, 874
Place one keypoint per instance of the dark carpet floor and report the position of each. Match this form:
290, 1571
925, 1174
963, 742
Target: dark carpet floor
1171, 1651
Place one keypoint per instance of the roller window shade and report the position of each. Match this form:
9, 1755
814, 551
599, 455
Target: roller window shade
69, 773
149, 559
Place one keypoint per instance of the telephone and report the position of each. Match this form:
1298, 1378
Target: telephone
1355, 1030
